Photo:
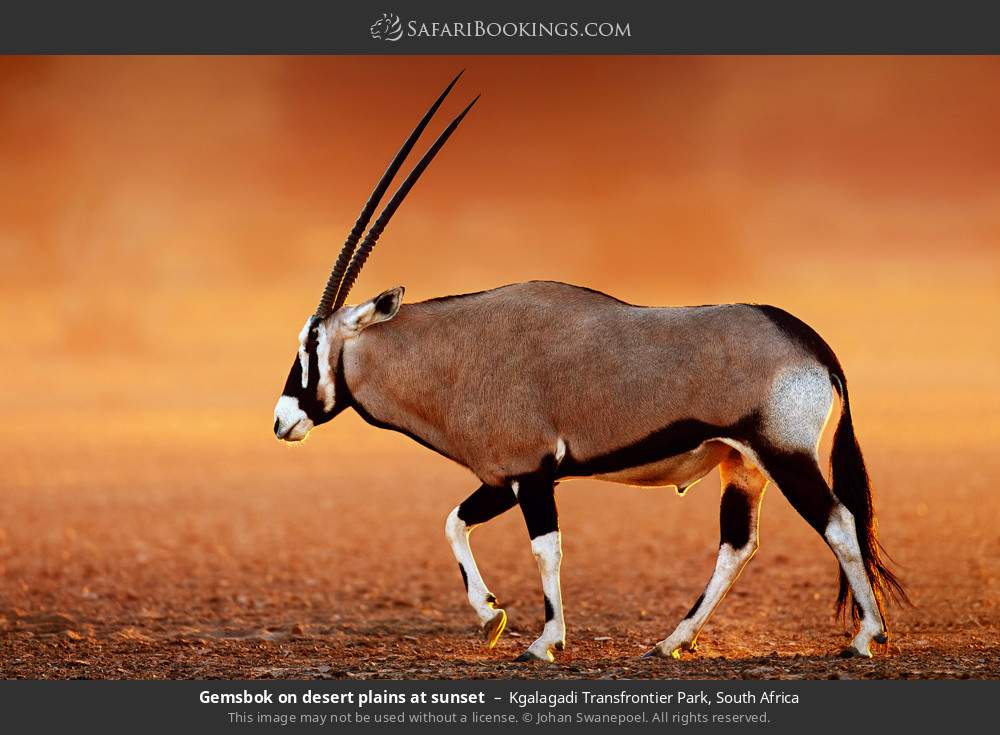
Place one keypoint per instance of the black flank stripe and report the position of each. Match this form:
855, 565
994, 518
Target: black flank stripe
673, 439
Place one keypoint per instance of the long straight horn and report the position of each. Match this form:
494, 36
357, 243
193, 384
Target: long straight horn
361, 255
326, 307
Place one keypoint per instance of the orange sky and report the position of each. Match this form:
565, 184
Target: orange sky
174, 217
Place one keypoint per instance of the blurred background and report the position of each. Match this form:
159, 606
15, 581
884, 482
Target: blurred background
167, 224
182, 213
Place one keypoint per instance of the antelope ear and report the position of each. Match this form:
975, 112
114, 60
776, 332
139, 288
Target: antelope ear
382, 308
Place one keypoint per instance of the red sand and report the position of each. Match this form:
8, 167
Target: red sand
133, 558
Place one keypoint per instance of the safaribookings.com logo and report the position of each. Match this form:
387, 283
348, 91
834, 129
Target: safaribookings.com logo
390, 28
387, 28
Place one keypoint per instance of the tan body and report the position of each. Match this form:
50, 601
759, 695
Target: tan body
495, 380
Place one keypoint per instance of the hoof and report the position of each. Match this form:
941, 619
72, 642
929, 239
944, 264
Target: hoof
528, 656
493, 628
881, 638
657, 651
560, 646
852, 652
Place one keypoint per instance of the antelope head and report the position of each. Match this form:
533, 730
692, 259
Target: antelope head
310, 396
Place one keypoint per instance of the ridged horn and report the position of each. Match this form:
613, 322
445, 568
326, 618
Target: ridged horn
326, 307
361, 254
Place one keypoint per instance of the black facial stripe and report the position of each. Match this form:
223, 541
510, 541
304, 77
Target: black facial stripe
313, 407
293, 384
307, 397
465, 577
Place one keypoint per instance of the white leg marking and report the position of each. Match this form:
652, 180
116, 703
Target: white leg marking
728, 565
560, 450
457, 533
515, 487
548, 553
842, 536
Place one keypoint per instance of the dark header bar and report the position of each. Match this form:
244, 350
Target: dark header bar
512, 27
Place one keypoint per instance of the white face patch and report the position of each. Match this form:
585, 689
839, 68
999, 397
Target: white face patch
303, 355
324, 347
290, 422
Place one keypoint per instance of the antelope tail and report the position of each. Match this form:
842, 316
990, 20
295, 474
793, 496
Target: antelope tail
852, 486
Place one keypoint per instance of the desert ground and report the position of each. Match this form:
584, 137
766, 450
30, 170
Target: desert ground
137, 556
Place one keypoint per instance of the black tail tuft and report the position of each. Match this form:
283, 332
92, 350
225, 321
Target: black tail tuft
852, 487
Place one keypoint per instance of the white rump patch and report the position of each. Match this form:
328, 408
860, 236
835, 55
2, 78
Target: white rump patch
798, 407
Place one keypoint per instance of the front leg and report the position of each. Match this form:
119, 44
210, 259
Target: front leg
483, 505
536, 496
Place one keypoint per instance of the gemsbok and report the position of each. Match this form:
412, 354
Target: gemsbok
534, 383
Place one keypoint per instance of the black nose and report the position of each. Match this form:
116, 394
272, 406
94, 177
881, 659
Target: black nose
277, 425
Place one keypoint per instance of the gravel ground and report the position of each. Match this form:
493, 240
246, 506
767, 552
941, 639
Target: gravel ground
126, 556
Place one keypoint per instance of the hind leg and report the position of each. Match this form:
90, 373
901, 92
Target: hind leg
742, 490
800, 479
483, 505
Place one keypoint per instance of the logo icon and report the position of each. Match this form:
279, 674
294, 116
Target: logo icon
387, 28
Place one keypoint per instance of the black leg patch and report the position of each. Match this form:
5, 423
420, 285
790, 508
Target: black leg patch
549, 612
697, 604
800, 480
734, 518
536, 496
491, 599
486, 504
465, 577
